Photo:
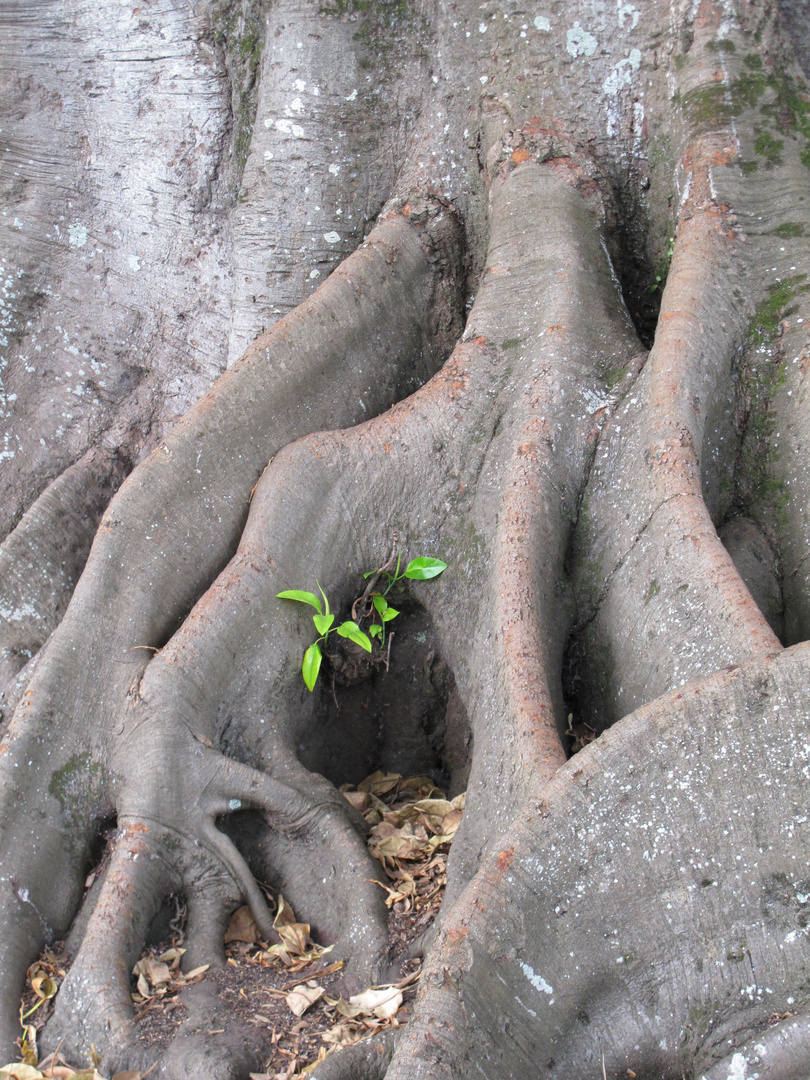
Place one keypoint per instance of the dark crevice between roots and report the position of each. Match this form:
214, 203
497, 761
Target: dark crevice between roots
406, 717
640, 260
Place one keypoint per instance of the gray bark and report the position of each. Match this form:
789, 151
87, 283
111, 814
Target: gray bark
312, 197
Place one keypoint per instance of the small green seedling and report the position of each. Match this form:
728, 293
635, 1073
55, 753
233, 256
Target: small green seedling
419, 569
324, 625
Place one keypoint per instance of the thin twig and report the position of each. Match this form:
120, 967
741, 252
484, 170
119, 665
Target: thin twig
372, 581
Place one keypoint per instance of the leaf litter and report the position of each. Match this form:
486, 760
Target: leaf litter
284, 987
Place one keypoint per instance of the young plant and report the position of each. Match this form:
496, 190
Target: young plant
419, 569
324, 624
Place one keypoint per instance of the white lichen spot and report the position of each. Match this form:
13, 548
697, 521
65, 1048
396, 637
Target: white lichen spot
622, 74
620, 77
352, 96
594, 401
580, 42
537, 981
134, 263
484, 80
627, 11
738, 1070
297, 105
314, 274
334, 169
17, 223
332, 237
268, 155
482, 28
78, 235
542, 23
300, 85
286, 127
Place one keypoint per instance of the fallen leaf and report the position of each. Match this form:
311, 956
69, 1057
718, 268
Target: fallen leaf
20, 1072
380, 783
360, 800
294, 935
155, 971
381, 1002
242, 927
302, 998
171, 957
434, 807
194, 973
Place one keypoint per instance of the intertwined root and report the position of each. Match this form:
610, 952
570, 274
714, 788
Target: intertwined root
193, 857
226, 680
98, 734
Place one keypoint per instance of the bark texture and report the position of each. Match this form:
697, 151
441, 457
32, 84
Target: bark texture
522, 289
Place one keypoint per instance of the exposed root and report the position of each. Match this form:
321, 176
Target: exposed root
41, 560
575, 982
660, 599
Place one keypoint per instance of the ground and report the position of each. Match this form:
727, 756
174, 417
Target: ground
291, 288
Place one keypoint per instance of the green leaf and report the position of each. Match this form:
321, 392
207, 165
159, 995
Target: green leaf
423, 568
380, 603
323, 594
323, 622
353, 632
311, 665
389, 614
375, 630
301, 597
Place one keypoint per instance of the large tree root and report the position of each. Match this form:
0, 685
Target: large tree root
660, 599
625, 917
40, 562
362, 331
678, 959
222, 680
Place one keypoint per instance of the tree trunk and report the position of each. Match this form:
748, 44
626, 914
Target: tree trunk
525, 291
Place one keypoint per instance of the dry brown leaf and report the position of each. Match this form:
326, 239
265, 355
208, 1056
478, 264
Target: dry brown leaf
382, 1001
360, 800
172, 957
303, 997
418, 785
380, 783
433, 807
151, 972
193, 975
294, 935
242, 927
128, 1074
